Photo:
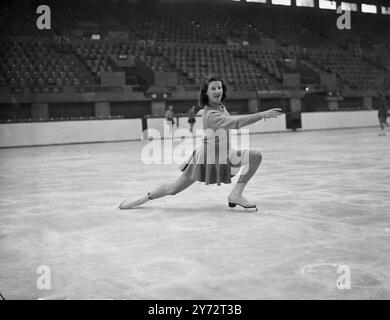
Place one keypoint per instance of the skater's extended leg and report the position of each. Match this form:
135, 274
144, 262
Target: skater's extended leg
183, 182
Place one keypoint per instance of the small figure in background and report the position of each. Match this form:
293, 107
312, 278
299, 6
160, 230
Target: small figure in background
191, 118
169, 118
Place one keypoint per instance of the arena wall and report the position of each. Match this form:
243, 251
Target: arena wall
338, 119
65, 132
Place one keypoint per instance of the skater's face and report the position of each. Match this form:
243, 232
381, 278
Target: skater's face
215, 91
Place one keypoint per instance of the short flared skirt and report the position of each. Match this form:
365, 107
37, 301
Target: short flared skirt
197, 167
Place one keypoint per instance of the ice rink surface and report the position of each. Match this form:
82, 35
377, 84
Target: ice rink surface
324, 217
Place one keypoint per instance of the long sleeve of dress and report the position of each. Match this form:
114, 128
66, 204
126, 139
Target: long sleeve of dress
218, 120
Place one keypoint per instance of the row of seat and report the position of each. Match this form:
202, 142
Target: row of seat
196, 22
30, 63
40, 64
351, 69
189, 61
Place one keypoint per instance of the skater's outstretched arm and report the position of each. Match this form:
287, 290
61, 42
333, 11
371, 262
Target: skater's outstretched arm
217, 119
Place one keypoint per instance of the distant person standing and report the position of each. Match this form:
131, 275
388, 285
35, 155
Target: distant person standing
191, 118
382, 113
169, 118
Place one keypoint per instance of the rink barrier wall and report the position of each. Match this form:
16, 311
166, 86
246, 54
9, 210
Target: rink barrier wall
67, 132
90, 131
339, 119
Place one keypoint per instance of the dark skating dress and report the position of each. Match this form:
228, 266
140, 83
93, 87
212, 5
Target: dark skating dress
213, 160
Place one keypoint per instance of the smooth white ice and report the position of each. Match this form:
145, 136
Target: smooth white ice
323, 197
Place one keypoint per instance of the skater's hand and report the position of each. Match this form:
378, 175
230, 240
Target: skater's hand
271, 113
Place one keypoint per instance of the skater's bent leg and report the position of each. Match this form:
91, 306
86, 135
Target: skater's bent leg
250, 162
250, 167
183, 182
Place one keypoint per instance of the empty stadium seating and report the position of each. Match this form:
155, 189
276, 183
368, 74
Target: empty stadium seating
38, 64
192, 39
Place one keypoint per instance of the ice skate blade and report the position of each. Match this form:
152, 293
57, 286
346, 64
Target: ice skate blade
233, 205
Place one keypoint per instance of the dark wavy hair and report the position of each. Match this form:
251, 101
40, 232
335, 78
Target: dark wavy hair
203, 98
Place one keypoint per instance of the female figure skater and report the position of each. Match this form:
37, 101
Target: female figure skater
198, 167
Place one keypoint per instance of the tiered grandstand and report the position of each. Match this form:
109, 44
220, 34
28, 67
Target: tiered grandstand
131, 49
